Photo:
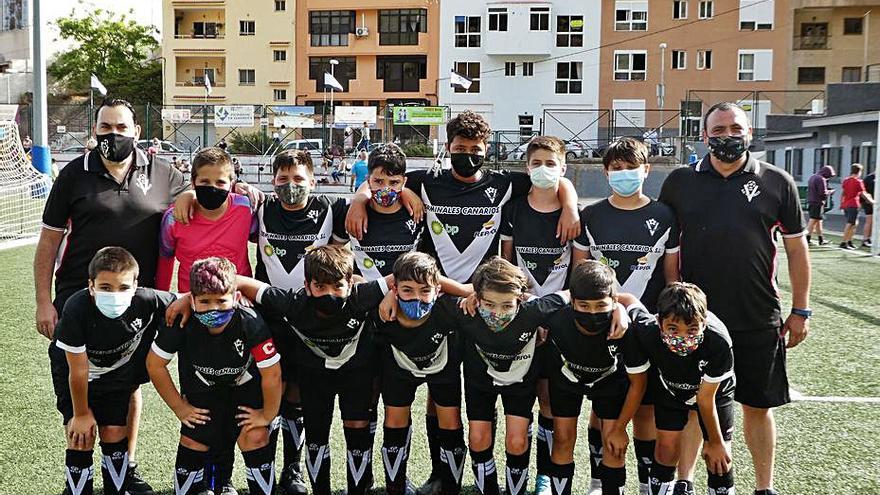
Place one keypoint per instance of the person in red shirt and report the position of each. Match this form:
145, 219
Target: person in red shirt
853, 194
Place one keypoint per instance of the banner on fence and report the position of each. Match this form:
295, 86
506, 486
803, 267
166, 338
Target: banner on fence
419, 115
234, 116
297, 117
354, 115
176, 115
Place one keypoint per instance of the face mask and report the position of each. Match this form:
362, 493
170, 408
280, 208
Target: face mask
415, 309
292, 194
545, 177
115, 147
466, 164
328, 304
496, 321
728, 149
682, 345
113, 304
626, 182
215, 317
210, 197
594, 322
386, 196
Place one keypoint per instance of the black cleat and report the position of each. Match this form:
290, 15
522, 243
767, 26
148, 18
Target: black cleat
292, 482
432, 486
137, 485
684, 487
226, 488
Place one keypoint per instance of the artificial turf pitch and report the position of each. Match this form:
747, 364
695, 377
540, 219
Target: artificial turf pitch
824, 447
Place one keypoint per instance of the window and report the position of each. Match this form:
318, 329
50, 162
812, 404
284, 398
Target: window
205, 30
330, 27
345, 71
679, 59
201, 74
852, 25
246, 28
868, 158
528, 69
280, 5
509, 69
467, 31
704, 59
470, 70
691, 113
630, 16
811, 75
814, 36
279, 94
497, 19
401, 73
770, 156
526, 127
569, 77
851, 74
570, 30
756, 14
279, 55
707, 9
630, 65
246, 77
539, 18
746, 67
402, 27
794, 162
680, 9
755, 65
829, 155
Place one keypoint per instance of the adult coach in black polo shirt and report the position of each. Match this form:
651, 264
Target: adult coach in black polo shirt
728, 206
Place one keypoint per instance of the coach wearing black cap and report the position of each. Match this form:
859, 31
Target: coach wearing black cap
728, 207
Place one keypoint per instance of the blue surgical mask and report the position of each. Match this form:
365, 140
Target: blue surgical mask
626, 182
113, 304
415, 309
214, 318
544, 177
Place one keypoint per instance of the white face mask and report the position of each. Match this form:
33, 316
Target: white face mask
544, 177
113, 304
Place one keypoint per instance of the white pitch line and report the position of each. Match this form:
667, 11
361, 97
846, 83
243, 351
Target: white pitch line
799, 397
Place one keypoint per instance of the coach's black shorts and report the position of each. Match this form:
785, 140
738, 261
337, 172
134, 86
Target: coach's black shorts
285, 343
221, 432
868, 208
400, 391
672, 415
816, 211
110, 407
759, 365
318, 389
851, 215
606, 397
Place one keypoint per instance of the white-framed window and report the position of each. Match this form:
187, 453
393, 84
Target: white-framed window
280, 5
630, 65
528, 69
756, 15
497, 18
630, 15
569, 77
279, 55
679, 9
279, 94
247, 28
704, 59
509, 69
679, 59
707, 9
569, 30
629, 113
467, 31
247, 77
539, 19
755, 65
470, 70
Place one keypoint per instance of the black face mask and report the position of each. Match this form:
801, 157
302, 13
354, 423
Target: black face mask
594, 322
466, 164
210, 197
329, 304
115, 147
728, 149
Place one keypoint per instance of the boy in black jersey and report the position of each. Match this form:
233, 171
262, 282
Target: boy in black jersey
637, 237
691, 350
588, 362
528, 240
105, 332
421, 346
230, 380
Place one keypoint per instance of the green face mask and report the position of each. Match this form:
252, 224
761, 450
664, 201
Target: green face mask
292, 194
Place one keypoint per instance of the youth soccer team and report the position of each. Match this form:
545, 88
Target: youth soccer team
579, 305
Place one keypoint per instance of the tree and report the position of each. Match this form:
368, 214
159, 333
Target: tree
114, 47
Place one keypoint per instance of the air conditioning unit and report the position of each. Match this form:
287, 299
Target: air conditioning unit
361, 32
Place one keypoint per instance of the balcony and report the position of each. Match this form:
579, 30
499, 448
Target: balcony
812, 43
199, 23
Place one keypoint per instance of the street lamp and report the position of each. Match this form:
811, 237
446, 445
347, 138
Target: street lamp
661, 88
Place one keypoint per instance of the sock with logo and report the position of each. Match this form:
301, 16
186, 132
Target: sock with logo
683, 487
720, 484
79, 471
292, 432
613, 480
561, 478
359, 459
432, 429
189, 471
644, 450
452, 455
661, 479
545, 444
259, 466
517, 473
594, 439
318, 457
767, 491
485, 475
114, 467
394, 457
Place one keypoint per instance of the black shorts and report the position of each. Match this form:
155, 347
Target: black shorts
851, 215
285, 343
816, 211
318, 389
868, 208
517, 400
672, 415
606, 397
221, 432
547, 360
759, 366
110, 407
400, 391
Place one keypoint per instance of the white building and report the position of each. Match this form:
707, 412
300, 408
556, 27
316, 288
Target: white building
529, 60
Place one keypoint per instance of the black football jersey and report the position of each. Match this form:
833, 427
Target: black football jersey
228, 359
116, 348
536, 249
585, 359
389, 235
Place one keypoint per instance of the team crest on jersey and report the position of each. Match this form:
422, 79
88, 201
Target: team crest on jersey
702, 364
239, 347
143, 182
751, 190
612, 349
524, 337
352, 323
491, 192
652, 225
313, 216
411, 225
436, 338
137, 323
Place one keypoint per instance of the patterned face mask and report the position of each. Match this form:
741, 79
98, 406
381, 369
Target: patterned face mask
497, 321
682, 344
386, 196
214, 318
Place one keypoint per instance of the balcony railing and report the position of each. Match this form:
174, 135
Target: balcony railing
199, 83
812, 42
218, 36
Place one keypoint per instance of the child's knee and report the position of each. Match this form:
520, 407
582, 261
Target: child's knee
516, 444
666, 451
112, 434
480, 435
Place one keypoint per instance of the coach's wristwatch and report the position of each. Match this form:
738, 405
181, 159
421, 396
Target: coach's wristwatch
806, 313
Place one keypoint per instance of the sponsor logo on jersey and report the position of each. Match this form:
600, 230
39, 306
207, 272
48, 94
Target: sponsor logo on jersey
438, 228
751, 190
641, 264
370, 263
652, 225
271, 250
313, 215
491, 192
610, 262
489, 228
531, 265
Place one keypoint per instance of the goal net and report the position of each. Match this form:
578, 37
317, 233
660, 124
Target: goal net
23, 191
